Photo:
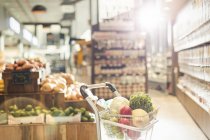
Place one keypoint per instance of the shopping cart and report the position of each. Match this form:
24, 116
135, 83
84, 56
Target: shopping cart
107, 123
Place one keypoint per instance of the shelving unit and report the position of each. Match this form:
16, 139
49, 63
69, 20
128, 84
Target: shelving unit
121, 60
191, 42
157, 71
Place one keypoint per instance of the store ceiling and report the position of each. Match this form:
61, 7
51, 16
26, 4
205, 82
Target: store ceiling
21, 9
173, 6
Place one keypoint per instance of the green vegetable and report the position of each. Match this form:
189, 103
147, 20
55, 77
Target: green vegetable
82, 110
76, 110
142, 101
67, 112
29, 107
87, 114
38, 108
91, 119
84, 119
1, 111
13, 108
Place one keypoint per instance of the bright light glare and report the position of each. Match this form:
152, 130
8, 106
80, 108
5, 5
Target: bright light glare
27, 35
86, 35
14, 25
35, 41
149, 16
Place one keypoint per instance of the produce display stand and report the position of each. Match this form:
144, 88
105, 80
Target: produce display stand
66, 131
41, 129
145, 131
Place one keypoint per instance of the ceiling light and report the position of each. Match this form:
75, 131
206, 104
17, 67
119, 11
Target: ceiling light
39, 9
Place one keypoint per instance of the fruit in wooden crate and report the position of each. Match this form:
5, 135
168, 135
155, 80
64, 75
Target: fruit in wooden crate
73, 93
29, 110
70, 111
54, 84
2, 111
24, 65
1, 85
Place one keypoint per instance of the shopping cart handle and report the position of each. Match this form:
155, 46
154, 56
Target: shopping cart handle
111, 86
82, 91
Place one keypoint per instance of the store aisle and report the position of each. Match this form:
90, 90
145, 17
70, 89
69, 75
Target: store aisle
174, 122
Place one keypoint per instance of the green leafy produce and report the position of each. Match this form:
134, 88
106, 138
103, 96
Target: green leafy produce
82, 110
142, 101
13, 108
84, 119
29, 107
67, 111
38, 107
76, 110
56, 112
2, 111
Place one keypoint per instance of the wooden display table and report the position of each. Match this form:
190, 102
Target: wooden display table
68, 131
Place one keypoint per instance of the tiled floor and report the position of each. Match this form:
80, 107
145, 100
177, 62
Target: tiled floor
174, 122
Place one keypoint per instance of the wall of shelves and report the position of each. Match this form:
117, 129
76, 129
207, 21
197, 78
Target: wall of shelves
190, 32
191, 42
120, 60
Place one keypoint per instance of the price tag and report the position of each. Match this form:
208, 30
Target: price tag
21, 77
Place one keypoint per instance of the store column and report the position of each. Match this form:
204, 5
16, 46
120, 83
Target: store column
1, 42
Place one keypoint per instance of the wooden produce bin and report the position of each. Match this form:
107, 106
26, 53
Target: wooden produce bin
21, 82
67, 131
47, 100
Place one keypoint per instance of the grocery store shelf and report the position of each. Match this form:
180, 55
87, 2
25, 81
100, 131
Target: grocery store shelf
189, 94
191, 45
199, 115
195, 76
118, 75
194, 29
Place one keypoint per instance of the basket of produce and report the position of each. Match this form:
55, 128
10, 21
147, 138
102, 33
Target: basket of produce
124, 119
3, 117
23, 76
68, 115
27, 115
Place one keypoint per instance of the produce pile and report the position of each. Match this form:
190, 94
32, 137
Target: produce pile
62, 83
30, 110
25, 65
135, 112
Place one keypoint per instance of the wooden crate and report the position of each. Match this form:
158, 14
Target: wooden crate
46, 100
21, 82
67, 131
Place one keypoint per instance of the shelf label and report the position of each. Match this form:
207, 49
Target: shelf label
21, 77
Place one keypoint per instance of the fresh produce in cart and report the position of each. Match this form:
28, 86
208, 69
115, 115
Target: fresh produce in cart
137, 112
125, 119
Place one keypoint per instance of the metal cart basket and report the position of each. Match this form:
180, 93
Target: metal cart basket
108, 125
